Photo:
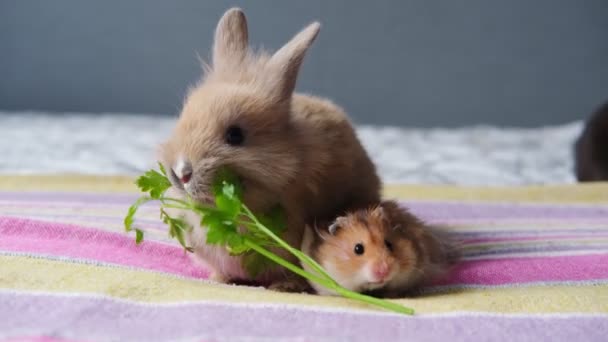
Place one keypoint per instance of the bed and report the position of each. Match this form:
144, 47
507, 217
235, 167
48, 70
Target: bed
535, 243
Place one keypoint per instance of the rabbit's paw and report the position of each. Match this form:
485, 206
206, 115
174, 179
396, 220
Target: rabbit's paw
290, 285
217, 277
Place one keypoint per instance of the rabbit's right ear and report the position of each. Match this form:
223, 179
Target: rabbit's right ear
284, 65
231, 40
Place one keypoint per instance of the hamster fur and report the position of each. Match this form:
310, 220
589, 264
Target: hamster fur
297, 151
591, 148
383, 250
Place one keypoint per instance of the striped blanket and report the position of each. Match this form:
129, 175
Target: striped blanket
535, 269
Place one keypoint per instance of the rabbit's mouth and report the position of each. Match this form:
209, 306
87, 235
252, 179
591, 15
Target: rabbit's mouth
192, 189
199, 192
202, 193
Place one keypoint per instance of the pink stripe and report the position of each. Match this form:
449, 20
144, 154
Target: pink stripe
24, 235
526, 270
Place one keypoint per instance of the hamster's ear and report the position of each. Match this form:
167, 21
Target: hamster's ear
336, 225
332, 228
379, 213
231, 40
285, 63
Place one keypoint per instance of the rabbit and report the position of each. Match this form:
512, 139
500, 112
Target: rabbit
294, 150
591, 148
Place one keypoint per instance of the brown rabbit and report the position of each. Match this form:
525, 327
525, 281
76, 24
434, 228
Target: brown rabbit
591, 148
298, 151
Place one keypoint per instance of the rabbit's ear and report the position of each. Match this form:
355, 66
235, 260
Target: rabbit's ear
285, 63
231, 40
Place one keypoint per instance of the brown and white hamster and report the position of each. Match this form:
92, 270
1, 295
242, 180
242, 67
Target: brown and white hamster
591, 148
297, 151
384, 249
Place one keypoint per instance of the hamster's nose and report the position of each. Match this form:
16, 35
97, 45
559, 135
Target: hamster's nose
183, 171
381, 271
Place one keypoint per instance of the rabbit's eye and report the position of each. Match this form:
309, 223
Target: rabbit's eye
235, 136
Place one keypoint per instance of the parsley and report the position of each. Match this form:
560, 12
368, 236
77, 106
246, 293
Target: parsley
154, 182
231, 224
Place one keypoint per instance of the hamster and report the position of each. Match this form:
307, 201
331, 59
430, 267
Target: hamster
384, 250
591, 148
291, 150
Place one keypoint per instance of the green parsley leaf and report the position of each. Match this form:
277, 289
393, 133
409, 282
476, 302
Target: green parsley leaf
236, 244
179, 234
227, 183
154, 183
238, 249
230, 206
139, 236
130, 217
217, 236
177, 228
219, 228
162, 169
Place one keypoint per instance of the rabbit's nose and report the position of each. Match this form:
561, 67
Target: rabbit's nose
183, 171
185, 178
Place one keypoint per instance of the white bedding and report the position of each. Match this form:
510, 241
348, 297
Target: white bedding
35, 142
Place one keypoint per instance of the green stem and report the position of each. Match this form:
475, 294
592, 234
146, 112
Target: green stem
174, 200
263, 251
196, 207
327, 281
330, 284
374, 301
175, 206
297, 253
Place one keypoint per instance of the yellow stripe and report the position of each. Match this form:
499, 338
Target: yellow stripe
83, 183
25, 273
575, 193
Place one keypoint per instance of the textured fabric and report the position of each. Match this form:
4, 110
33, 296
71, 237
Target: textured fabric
535, 268
112, 144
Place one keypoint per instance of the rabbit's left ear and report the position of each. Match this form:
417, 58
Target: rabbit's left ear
231, 42
285, 63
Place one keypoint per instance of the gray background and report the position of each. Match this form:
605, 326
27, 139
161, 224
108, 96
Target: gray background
417, 63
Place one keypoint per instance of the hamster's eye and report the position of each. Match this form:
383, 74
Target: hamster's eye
359, 250
388, 245
235, 136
